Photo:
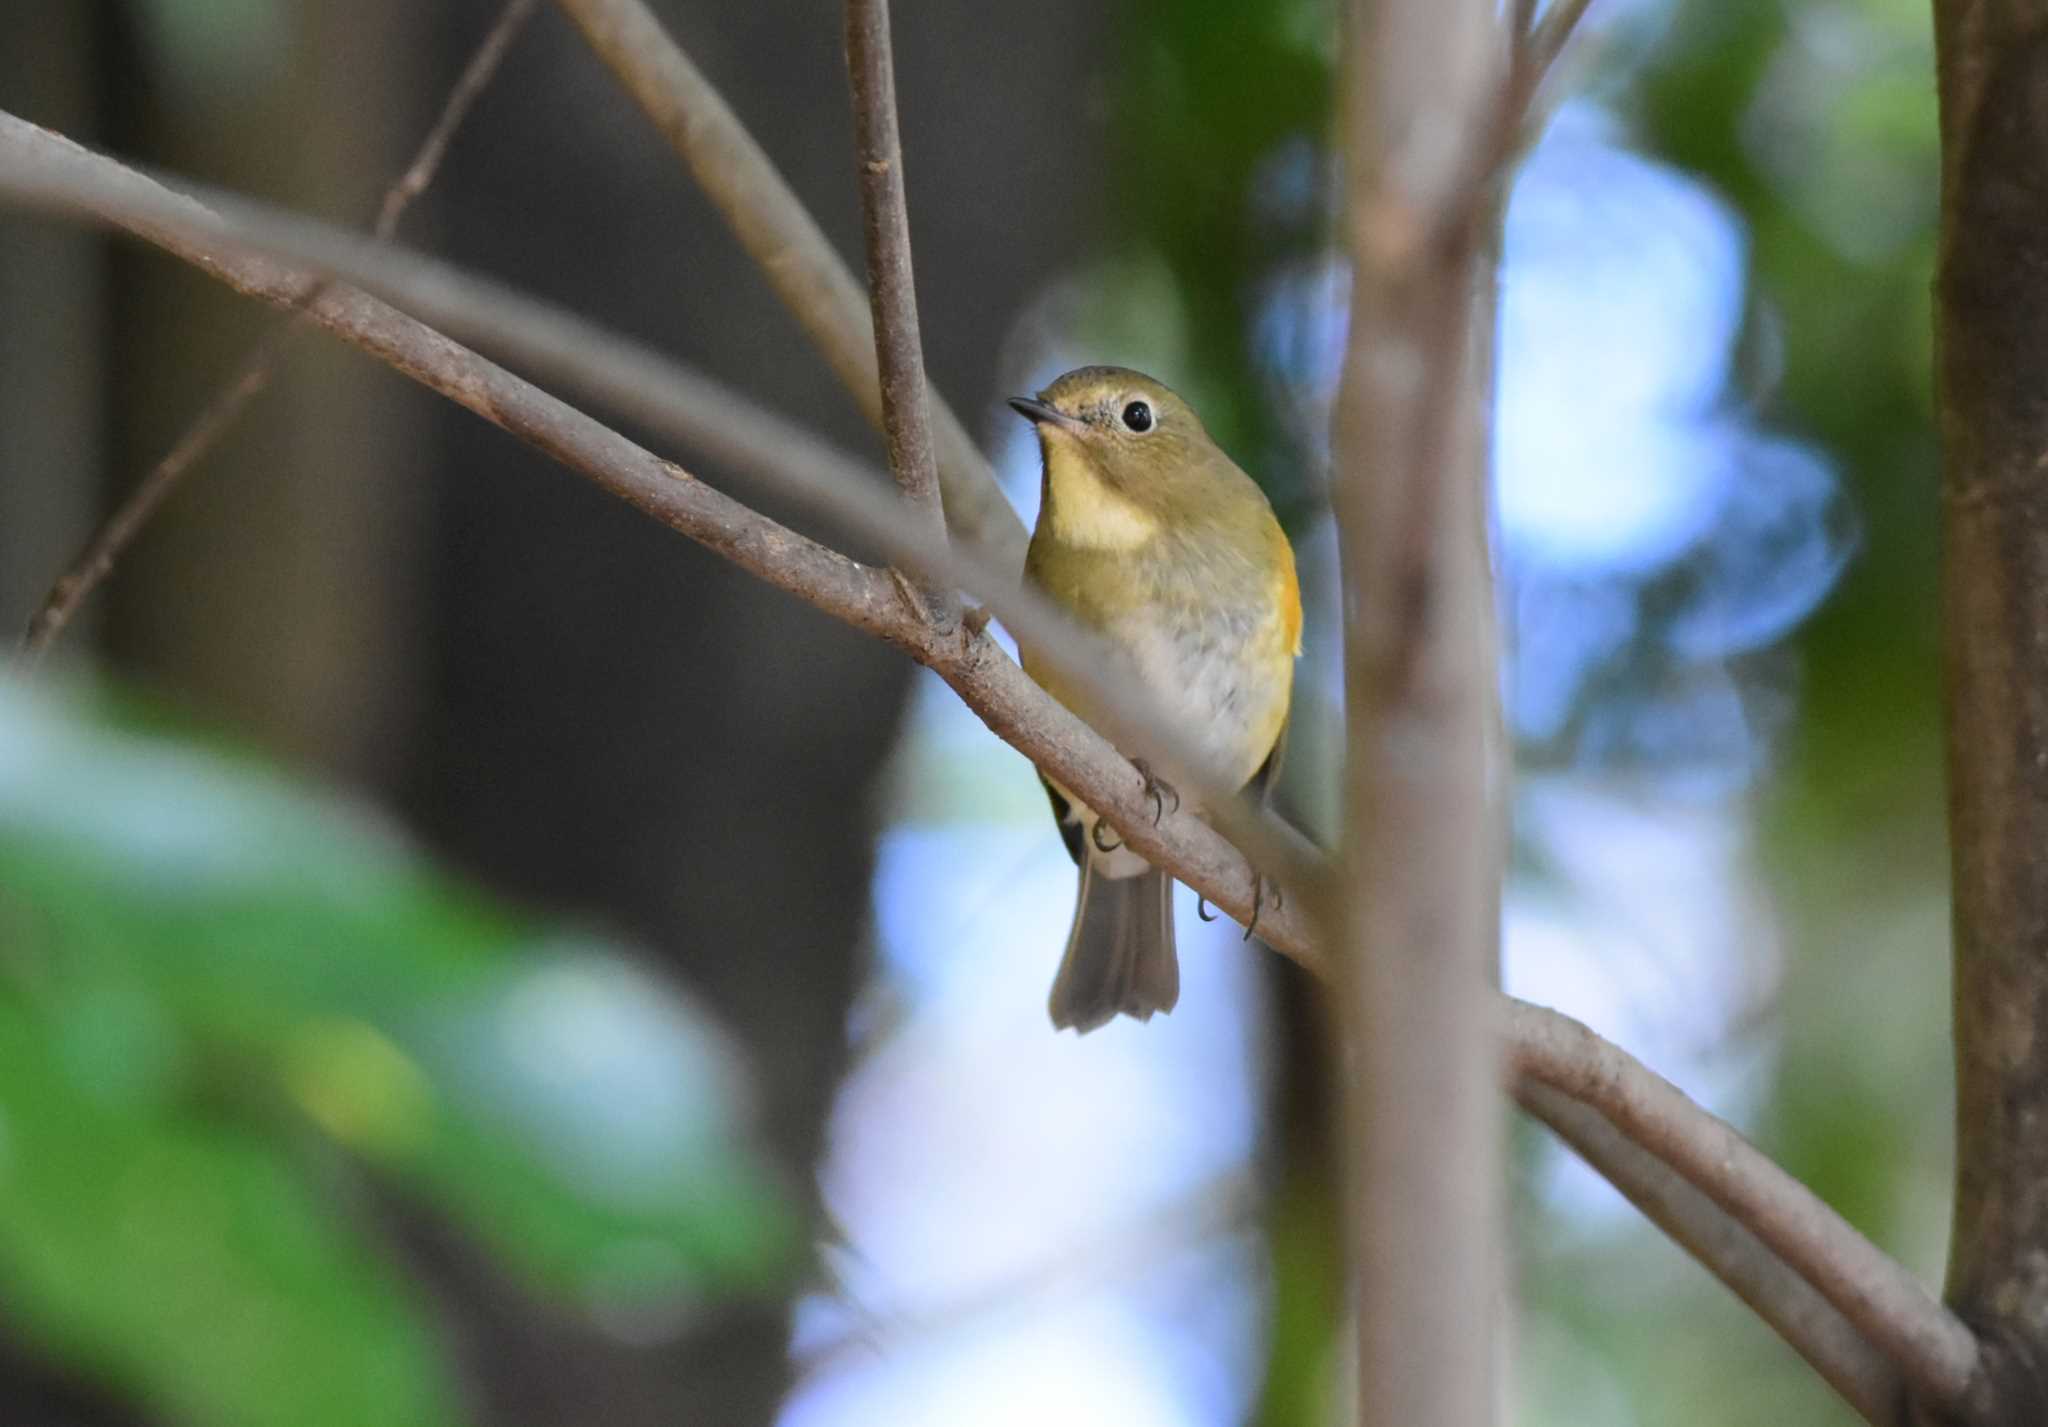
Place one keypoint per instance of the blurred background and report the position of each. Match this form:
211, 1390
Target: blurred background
468, 956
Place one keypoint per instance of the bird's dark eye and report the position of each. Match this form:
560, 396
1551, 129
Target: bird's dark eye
1138, 416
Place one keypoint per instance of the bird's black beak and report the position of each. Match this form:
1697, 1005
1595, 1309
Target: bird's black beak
1040, 413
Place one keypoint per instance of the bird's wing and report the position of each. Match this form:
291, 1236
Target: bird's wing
1071, 831
1267, 779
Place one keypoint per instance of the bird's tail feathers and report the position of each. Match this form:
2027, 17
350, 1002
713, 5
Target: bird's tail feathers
1120, 954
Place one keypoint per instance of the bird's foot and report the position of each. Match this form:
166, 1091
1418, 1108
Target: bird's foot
1095, 835
1157, 789
1263, 891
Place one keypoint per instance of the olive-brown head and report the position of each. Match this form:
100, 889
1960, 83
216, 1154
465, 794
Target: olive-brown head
1125, 456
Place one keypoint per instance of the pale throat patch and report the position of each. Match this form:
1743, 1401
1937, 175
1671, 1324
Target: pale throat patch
1086, 513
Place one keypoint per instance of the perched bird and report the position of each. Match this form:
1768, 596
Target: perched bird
1153, 538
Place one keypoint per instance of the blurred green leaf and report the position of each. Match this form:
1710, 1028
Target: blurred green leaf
218, 989
188, 1260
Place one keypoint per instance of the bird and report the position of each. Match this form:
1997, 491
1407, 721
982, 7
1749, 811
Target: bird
1151, 537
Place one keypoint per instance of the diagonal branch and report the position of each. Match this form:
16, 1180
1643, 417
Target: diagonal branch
892, 292
89, 569
469, 87
1930, 1347
97, 560
46, 168
772, 224
1548, 37
1866, 1379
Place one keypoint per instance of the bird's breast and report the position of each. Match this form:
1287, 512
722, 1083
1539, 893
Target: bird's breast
1223, 671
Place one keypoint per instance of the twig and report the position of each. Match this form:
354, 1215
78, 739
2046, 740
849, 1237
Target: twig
1521, 26
45, 169
892, 291
1866, 1379
1933, 1349
772, 224
96, 561
1514, 124
476, 76
1548, 39
71, 589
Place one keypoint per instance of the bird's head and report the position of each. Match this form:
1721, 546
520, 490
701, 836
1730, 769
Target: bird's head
1134, 430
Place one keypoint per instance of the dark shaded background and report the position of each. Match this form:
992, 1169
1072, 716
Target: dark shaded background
571, 703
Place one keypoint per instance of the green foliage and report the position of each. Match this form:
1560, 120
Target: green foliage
1211, 95
1818, 123
231, 1009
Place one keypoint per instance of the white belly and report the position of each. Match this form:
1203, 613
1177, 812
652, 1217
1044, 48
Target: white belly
1225, 684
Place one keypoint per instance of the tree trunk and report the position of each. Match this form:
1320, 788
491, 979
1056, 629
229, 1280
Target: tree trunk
1992, 316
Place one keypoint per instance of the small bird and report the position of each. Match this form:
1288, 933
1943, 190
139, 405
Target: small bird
1149, 535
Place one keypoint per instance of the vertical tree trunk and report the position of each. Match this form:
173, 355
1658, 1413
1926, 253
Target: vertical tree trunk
1992, 316
270, 590
1421, 862
52, 350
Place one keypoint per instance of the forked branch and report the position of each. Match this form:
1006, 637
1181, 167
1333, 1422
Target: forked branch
772, 224
892, 290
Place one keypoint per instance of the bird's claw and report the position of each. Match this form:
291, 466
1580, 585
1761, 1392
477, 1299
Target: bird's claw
1262, 892
1157, 789
1095, 836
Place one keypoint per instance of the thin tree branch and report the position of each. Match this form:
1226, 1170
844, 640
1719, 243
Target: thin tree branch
91, 566
469, 87
772, 224
1551, 34
1933, 1349
96, 561
45, 169
892, 290
1866, 1379
1521, 26
36, 165
1469, 220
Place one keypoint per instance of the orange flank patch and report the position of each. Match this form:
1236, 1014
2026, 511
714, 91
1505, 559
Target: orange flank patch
1290, 597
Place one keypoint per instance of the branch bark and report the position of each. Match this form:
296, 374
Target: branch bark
1931, 1348
1865, 1378
44, 168
892, 289
1424, 834
772, 224
1992, 340
38, 166
1550, 34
